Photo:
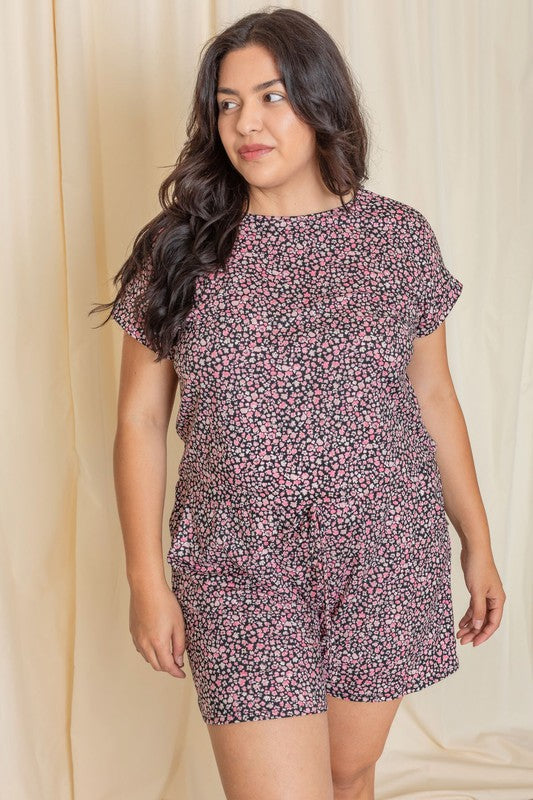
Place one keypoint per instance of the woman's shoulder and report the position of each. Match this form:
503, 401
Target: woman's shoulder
390, 211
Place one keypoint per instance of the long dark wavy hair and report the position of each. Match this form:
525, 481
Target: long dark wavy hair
204, 198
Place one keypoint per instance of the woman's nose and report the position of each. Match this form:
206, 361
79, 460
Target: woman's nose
249, 120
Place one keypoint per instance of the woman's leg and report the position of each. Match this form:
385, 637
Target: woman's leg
357, 733
274, 758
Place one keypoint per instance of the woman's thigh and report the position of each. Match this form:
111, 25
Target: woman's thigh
274, 758
357, 735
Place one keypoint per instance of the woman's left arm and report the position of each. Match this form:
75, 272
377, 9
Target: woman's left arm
429, 374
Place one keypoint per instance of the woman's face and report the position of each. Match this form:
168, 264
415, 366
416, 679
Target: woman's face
248, 115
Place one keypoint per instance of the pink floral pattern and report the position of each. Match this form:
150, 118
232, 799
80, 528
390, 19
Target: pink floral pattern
309, 545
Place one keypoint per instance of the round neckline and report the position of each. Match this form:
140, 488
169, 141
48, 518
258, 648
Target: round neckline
313, 215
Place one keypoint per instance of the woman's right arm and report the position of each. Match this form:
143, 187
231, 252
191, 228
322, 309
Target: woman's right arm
146, 397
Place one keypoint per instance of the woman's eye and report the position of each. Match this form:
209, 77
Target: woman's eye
224, 107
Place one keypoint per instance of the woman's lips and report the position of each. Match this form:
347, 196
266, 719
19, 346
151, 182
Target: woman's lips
252, 155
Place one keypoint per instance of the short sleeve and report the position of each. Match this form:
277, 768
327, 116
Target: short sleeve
130, 308
438, 289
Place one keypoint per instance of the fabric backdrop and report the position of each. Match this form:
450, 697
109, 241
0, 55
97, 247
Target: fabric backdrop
94, 100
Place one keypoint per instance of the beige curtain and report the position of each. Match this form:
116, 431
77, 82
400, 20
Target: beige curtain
95, 95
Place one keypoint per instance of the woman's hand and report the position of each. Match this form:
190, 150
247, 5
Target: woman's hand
487, 596
157, 627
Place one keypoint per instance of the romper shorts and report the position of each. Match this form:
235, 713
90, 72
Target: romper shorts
288, 601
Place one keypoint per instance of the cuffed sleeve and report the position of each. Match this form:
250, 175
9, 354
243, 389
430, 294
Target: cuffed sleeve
439, 289
130, 309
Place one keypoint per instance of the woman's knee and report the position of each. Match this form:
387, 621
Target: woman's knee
354, 781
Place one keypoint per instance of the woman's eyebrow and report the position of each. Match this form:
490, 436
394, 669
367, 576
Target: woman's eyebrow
258, 88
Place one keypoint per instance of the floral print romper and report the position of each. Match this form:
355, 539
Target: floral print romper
309, 545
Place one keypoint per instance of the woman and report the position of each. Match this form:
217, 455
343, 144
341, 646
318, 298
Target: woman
303, 316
